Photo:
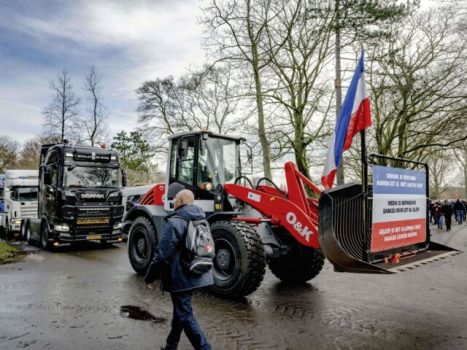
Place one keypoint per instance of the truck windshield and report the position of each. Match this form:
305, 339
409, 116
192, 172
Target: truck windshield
92, 177
219, 161
24, 194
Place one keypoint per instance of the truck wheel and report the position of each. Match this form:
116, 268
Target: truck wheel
141, 242
301, 264
28, 235
7, 230
45, 244
240, 262
22, 231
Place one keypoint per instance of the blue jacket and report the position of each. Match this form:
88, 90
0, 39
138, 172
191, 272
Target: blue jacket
167, 256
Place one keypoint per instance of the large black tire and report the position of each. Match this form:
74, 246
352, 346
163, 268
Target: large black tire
141, 244
7, 230
301, 264
44, 241
22, 230
240, 262
28, 234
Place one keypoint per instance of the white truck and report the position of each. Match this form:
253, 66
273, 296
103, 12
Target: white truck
2, 185
20, 199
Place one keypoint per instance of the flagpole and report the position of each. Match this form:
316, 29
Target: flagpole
364, 161
366, 230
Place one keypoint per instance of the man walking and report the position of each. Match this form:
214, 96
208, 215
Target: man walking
447, 211
459, 210
174, 276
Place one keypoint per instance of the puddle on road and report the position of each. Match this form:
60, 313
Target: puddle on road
138, 313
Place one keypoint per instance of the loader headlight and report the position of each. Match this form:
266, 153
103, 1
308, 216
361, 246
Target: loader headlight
61, 227
206, 186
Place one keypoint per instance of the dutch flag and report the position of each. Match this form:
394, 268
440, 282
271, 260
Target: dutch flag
355, 116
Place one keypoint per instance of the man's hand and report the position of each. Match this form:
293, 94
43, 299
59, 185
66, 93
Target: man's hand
149, 286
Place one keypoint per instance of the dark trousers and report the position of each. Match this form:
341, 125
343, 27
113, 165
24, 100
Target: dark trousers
448, 222
184, 320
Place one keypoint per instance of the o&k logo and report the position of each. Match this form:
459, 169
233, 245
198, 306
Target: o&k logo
298, 226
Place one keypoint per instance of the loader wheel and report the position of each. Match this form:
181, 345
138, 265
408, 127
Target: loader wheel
301, 264
240, 262
142, 237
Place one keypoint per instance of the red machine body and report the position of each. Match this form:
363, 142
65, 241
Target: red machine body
154, 196
294, 210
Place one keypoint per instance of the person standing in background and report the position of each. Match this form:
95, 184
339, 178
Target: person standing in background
459, 210
446, 208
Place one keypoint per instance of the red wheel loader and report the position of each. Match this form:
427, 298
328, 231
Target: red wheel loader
290, 230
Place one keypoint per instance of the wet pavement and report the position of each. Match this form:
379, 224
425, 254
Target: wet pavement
92, 299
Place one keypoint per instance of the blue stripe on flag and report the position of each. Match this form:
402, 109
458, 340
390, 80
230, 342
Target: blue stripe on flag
346, 112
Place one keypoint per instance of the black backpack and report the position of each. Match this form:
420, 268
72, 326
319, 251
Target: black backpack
198, 250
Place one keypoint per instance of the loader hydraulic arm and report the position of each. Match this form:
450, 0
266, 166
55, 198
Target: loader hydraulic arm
294, 210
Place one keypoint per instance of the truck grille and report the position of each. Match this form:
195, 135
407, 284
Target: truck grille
93, 211
28, 213
92, 215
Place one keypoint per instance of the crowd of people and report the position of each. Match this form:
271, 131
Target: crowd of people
441, 213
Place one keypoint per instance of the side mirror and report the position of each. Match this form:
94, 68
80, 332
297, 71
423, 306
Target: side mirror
124, 178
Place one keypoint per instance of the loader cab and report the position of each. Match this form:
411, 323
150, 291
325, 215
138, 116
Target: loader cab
201, 162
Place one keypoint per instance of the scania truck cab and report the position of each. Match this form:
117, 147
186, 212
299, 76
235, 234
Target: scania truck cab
80, 197
19, 199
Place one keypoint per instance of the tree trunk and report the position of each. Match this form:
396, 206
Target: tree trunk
465, 172
261, 127
338, 85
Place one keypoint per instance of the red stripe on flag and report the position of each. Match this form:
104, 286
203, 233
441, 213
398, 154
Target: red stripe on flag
358, 122
328, 180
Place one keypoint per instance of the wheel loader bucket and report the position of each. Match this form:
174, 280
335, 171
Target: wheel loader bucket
345, 236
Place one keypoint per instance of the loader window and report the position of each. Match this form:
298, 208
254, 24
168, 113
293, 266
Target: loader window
182, 160
218, 161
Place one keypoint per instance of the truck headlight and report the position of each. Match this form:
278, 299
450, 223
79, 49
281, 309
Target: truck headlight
15, 221
61, 227
118, 226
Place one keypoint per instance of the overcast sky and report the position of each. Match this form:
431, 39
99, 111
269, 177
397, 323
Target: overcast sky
127, 41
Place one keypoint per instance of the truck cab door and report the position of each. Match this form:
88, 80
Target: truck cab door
48, 193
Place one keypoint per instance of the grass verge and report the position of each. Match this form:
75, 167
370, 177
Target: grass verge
9, 254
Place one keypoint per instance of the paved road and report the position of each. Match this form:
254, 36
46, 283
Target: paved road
73, 300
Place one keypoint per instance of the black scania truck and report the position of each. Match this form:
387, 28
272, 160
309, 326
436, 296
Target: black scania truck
80, 196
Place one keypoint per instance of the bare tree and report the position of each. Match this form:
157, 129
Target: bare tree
418, 85
30, 153
297, 67
61, 114
216, 93
203, 99
8, 153
441, 165
93, 122
237, 32
460, 152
